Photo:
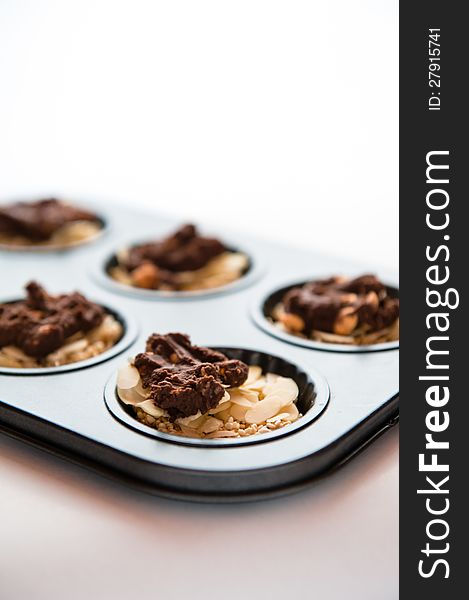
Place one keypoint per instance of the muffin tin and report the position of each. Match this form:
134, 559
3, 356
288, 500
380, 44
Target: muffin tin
108, 260
129, 334
351, 396
312, 399
262, 309
58, 247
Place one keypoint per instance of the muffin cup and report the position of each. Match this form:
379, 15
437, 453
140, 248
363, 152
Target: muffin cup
129, 335
101, 275
44, 248
261, 313
312, 400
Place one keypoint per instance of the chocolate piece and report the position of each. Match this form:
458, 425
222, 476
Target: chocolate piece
42, 323
185, 250
363, 285
39, 220
317, 311
183, 378
383, 316
328, 304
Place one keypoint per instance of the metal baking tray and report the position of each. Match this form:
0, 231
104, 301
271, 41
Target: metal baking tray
73, 411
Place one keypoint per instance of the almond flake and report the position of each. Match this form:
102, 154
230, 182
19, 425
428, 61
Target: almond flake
263, 410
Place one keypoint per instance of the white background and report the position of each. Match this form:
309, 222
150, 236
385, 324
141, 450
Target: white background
274, 117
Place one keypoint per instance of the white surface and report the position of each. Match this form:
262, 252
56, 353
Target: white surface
277, 117
67, 534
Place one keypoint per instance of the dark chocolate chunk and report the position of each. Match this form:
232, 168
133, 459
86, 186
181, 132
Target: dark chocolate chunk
363, 285
318, 311
39, 220
41, 323
184, 378
184, 250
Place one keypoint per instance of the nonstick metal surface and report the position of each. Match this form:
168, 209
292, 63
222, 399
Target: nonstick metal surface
66, 412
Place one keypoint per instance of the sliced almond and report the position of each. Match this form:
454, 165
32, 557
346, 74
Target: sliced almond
9, 360
254, 373
263, 410
235, 261
120, 275
240, 395
144, 392
210, 425
249, 394
129, 396
224, 415
67, 350
14, 352
332, 338
289, 390
256, 386
77, 346
282, 416
292, 411
277, 311
197, 423
284, 387
221, 434
238, 412
122, 255
241, 400
127, 377
222, 406
190, 432
188, 420
150, 408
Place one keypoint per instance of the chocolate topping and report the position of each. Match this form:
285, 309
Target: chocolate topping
320, 304
363, 285
42, 323
183, 378
185, 250
39, 220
